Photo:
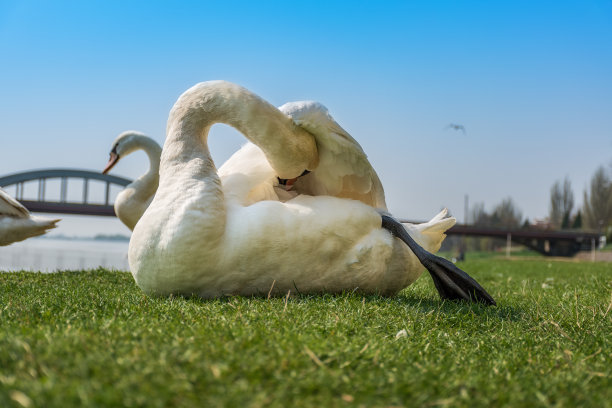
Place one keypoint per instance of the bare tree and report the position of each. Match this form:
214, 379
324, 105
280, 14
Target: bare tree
479, 216
506, 214
561, 203
598, 201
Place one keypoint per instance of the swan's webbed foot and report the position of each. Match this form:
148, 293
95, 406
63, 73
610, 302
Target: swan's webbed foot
451, 282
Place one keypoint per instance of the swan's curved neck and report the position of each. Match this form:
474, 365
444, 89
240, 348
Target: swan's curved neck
146, 185
289, 149
153, 151
132, 202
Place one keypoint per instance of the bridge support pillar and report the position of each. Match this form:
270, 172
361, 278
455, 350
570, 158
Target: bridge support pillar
508, 244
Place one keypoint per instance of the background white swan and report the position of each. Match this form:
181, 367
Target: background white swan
132, 201
16, 222
191, 240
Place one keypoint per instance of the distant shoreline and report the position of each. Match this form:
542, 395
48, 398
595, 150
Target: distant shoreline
99, 237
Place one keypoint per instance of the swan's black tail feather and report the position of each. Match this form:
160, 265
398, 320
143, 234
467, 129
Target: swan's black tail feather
451, 282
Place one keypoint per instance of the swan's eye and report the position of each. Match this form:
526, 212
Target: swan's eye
282, 182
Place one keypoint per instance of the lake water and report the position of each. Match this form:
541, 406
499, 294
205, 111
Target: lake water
52, 254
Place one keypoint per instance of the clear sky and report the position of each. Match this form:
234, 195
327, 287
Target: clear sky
530, 81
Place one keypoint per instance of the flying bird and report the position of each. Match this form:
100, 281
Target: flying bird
456, 126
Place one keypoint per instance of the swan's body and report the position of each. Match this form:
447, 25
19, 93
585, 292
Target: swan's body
132, 201
194, 239
16, 222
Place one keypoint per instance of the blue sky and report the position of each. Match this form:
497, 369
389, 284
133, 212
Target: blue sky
530, 81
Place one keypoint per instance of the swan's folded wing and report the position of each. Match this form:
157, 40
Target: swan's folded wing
247, 176
344, 169
11, 207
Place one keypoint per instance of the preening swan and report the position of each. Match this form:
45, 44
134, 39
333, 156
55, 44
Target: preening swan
192, 240
16, 222
132, 202
344, 169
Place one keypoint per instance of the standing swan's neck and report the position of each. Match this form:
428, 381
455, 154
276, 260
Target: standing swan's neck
289, 149
150, 180
132, 202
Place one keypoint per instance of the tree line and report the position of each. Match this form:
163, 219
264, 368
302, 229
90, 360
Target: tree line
595, 213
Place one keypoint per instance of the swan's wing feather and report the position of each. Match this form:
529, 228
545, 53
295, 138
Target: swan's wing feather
11, 207
247, 176
344, 169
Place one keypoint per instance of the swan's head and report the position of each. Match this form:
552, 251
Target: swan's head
124, 144
310, 111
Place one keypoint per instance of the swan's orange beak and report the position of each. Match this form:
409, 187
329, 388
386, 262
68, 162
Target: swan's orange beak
113, 159
286, 184
289, 185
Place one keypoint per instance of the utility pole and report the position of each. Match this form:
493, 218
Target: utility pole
463, 242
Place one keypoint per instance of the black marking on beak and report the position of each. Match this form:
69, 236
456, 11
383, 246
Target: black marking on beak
283, 182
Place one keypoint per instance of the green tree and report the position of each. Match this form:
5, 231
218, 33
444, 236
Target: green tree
505, 215
561, 203
565, 224
577, 224
598, 201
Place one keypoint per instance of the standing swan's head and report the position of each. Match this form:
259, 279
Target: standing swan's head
126, 143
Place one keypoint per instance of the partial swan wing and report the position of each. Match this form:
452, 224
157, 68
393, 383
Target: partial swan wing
247, 176
11, 207
344, 169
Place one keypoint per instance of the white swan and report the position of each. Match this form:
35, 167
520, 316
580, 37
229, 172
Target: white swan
16, 222
192, 241
132, 201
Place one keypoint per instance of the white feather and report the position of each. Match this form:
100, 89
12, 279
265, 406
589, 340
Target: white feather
16, 222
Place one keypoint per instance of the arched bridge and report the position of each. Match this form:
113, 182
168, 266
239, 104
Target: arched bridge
82, 206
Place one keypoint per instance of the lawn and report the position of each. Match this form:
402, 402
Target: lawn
93, 339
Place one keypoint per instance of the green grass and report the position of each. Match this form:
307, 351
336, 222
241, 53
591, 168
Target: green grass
479, 255
93, 339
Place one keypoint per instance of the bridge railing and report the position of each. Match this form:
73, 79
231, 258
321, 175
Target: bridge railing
64, 205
